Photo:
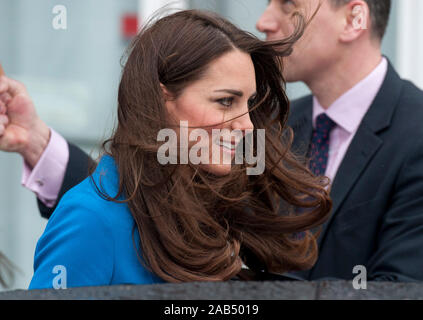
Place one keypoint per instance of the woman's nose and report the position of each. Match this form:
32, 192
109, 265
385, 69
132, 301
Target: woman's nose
243, 123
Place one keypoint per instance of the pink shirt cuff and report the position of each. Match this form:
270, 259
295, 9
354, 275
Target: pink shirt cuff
46, 179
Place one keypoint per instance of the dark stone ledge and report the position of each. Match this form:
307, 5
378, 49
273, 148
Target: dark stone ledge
231, 290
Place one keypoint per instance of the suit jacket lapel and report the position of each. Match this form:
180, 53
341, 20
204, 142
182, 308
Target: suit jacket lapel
365, 143
300, 121
361, 151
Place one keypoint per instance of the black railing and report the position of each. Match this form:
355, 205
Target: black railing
231, 290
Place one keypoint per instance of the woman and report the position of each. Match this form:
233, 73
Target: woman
138, 221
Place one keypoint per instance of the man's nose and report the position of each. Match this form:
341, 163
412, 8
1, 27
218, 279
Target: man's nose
267, 23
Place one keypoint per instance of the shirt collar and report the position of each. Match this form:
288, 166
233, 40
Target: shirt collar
349, 109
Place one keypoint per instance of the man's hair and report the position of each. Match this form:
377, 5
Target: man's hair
379, 14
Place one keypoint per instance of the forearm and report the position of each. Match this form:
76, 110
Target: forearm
36, 143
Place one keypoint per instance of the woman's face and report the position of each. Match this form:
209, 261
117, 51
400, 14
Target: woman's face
219, 100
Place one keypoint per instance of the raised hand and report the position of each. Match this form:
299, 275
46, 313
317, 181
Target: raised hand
21, 130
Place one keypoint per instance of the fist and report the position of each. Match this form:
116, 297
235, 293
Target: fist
21, 130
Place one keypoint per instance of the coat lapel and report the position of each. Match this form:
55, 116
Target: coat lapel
300, 121
365, 144
361, 151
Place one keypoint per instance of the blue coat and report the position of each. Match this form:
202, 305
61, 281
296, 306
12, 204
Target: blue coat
88, 241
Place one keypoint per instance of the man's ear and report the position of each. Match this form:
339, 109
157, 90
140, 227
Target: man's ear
357, 20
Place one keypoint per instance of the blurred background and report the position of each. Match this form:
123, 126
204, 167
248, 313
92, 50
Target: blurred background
73, 74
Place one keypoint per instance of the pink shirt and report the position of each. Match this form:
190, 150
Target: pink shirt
347, 112
46, 179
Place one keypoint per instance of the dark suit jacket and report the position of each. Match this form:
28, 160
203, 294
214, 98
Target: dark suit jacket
377, 217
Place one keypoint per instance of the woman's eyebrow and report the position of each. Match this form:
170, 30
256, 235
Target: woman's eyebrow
234, 92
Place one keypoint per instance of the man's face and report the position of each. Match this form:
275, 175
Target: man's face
317, 49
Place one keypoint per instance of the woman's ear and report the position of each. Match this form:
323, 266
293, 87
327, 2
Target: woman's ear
169, 99
166, 94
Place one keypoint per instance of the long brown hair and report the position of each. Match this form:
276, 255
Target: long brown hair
194, 226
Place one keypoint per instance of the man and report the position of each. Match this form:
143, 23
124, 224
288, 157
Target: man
362, 127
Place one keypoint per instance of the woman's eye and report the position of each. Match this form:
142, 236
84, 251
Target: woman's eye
226, 102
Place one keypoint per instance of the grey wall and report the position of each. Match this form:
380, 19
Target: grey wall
72, 74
